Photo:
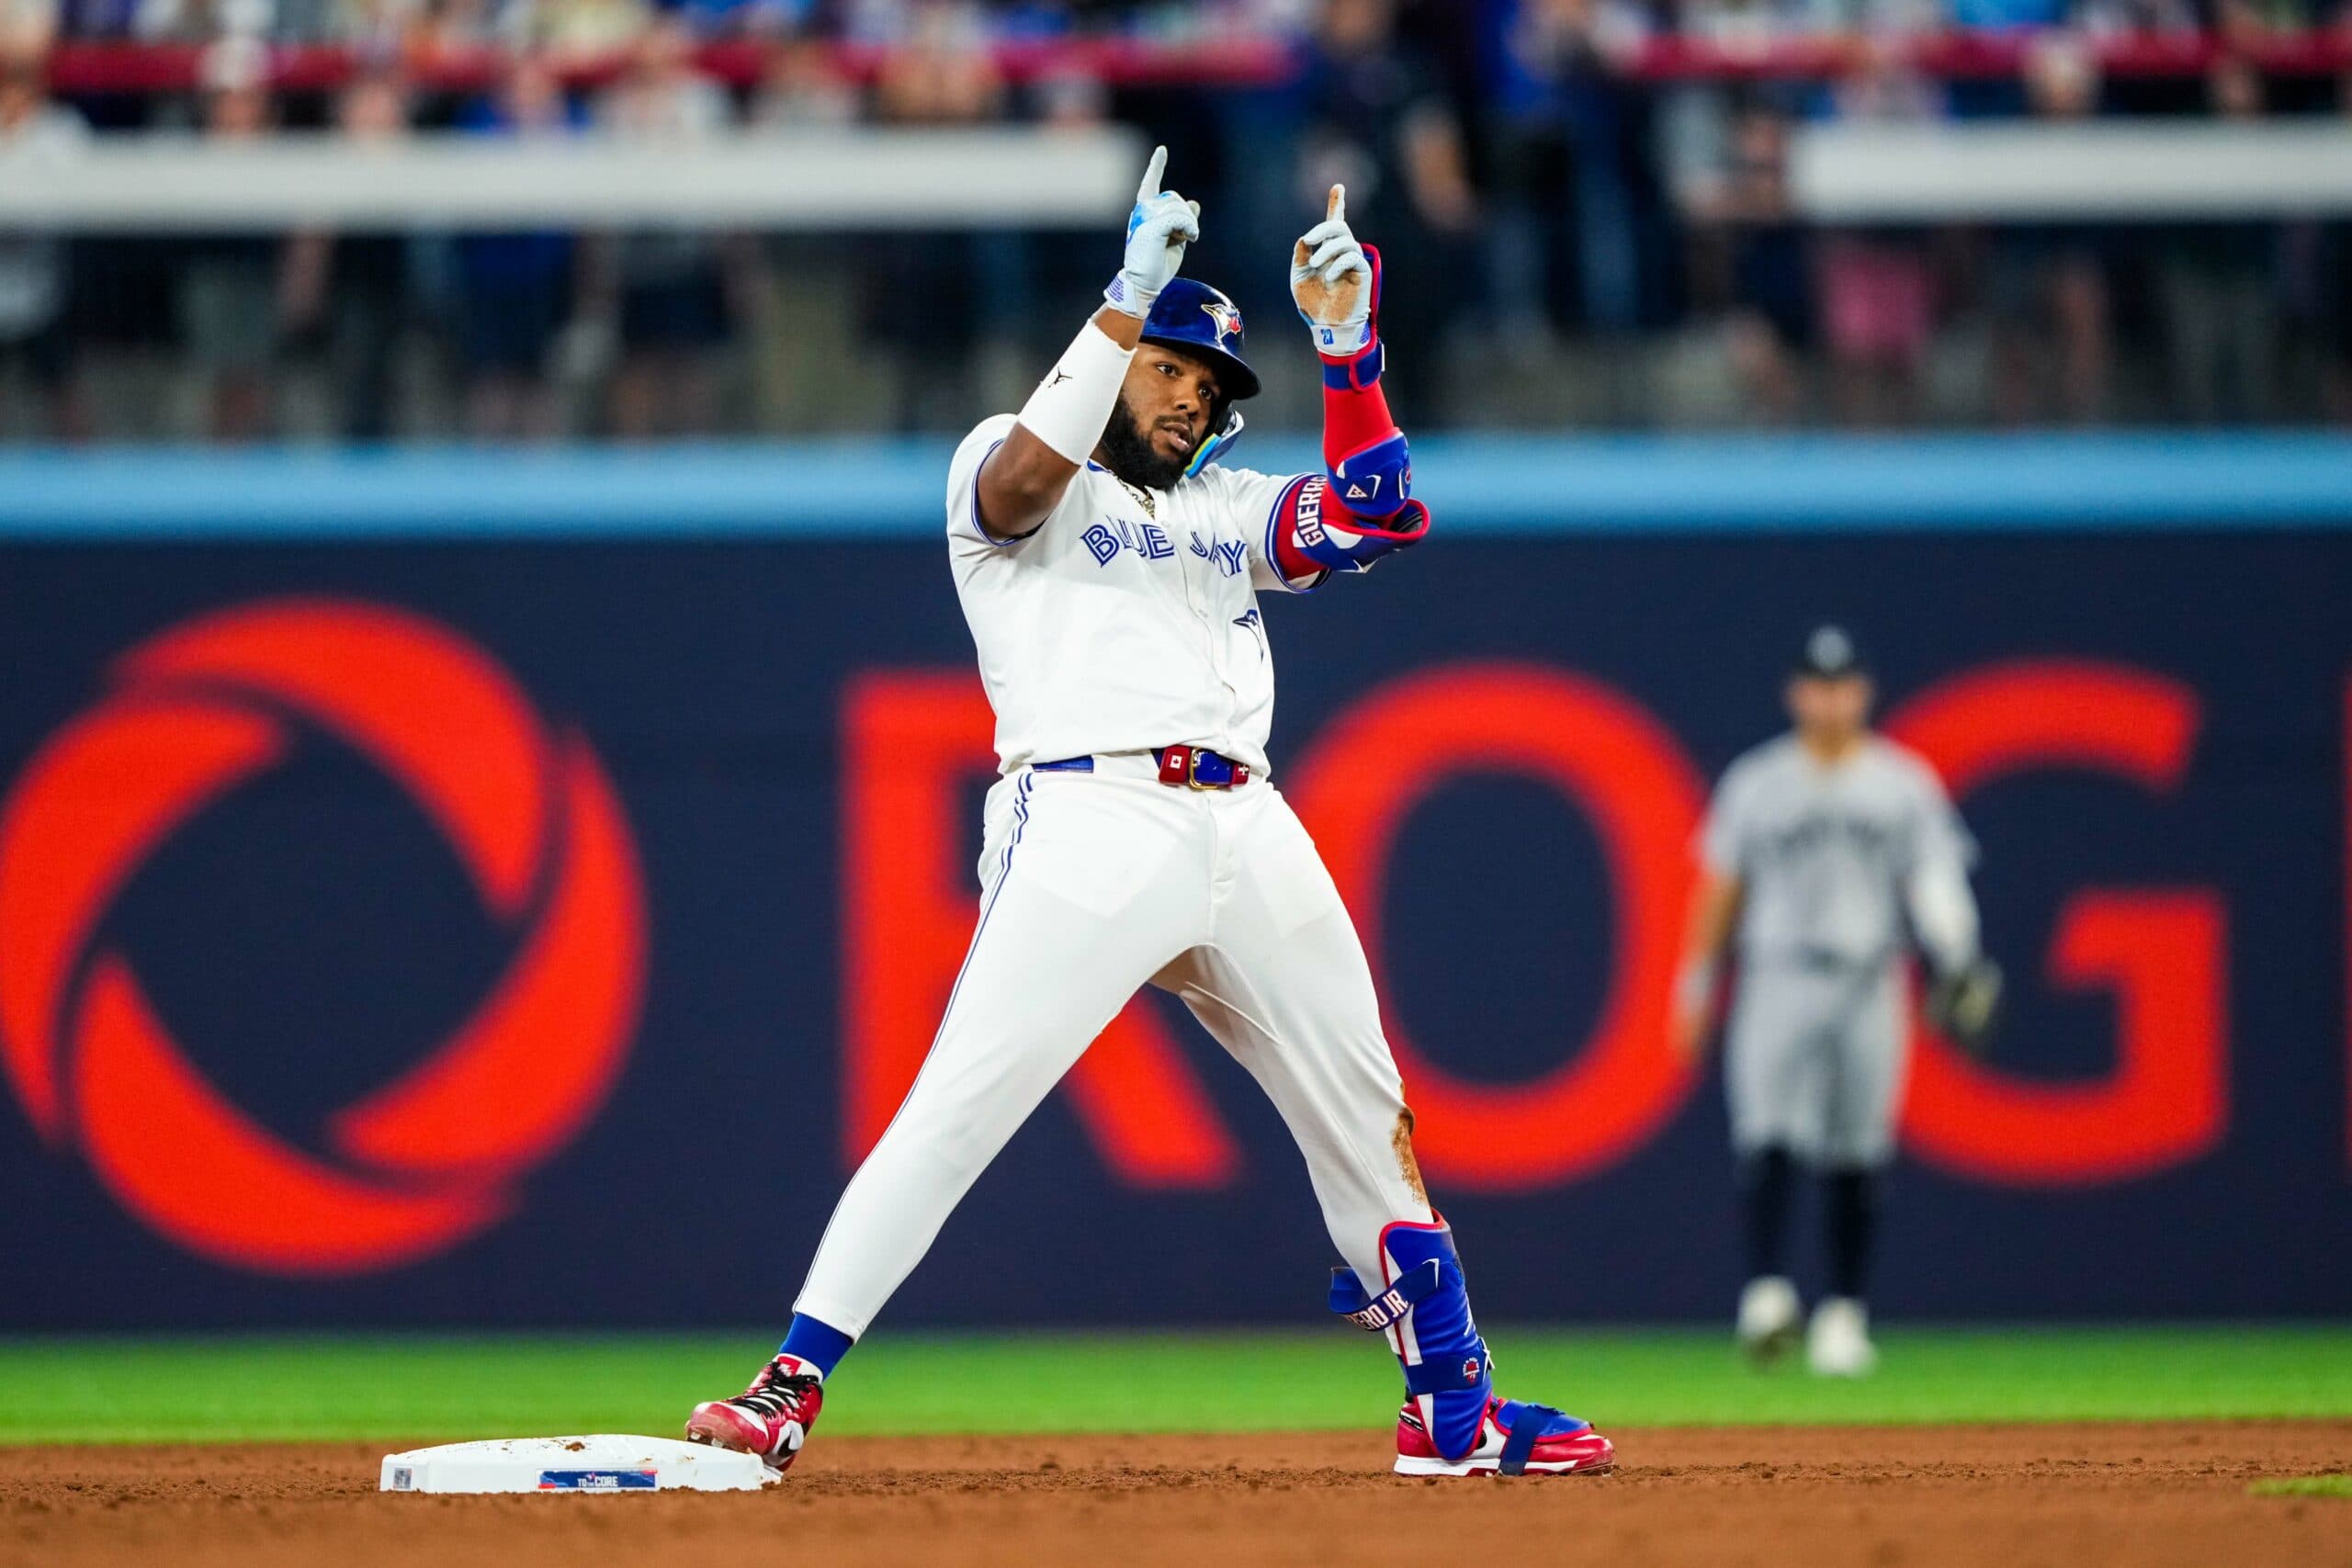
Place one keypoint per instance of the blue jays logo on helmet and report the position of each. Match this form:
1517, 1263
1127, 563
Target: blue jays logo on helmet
1228, 319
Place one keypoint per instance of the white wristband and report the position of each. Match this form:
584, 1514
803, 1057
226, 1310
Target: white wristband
1072, 405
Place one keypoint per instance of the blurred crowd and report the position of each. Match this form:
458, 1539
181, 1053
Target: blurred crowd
1574, 234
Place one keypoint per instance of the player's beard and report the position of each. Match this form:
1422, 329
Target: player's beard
1128, 452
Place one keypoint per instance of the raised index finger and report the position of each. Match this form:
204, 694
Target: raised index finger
1337, 213
1150, 186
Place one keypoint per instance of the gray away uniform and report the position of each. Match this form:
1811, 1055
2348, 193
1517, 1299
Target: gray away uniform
1839, 866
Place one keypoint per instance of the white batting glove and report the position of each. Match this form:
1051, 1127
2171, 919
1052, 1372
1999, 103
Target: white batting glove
1332, 282
1158, 228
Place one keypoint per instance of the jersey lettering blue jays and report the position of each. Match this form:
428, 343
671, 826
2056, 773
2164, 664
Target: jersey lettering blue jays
1129, 619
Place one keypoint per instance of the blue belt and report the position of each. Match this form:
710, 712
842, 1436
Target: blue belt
1195, 767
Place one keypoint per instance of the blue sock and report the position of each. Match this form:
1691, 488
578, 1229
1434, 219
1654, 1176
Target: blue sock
816, 1342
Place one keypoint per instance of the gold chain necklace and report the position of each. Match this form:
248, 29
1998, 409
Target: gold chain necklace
1150, 509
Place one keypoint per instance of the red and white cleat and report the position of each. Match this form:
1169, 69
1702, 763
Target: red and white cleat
1515, 1439
771, 1418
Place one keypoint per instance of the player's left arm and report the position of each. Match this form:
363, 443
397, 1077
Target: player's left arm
1361, 507
1938, 853
1963, 1000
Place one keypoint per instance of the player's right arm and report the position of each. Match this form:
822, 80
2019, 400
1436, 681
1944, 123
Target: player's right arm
1714, 914
1714, 909
1024, 480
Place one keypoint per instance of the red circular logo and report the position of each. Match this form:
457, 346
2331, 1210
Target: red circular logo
422, 1161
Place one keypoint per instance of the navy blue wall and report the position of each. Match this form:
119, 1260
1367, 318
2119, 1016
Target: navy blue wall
308, 934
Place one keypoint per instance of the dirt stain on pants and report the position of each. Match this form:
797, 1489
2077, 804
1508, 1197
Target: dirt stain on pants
1403, 1143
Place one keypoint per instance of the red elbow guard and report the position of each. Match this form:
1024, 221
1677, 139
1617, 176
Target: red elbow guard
1355, 414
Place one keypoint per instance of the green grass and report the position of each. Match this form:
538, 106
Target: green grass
123, 1390
2304, 1486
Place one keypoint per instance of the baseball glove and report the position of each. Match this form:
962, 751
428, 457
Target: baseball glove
1964, 1006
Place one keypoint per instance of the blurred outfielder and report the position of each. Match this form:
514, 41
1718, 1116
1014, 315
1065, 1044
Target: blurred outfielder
1109, 572
1830, 851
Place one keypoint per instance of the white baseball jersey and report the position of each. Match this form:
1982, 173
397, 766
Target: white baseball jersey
1114, 628
1118, 626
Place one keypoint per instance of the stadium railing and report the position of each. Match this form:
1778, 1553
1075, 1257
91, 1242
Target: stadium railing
1020, 178
867, 178
1245, 59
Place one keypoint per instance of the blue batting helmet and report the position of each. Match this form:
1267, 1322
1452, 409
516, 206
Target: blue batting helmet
1195, 317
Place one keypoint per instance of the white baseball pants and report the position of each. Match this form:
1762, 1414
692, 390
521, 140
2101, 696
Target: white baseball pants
1091, 885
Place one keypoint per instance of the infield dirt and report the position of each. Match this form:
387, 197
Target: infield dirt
1913, 1496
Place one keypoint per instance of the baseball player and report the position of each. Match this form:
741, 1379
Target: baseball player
1110, 568
1831, 851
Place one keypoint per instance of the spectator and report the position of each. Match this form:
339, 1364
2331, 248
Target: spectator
1378, 124
227, 296
803, 85
940, 73
36, 135
925, 298
2217, 282
2048, 286
515, 290
1579, 155
673, 296
1767, 264
1878, 287
809, 320
1037, 274
353, 290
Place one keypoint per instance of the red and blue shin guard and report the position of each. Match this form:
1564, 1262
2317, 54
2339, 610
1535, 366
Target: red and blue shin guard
1454, 1423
